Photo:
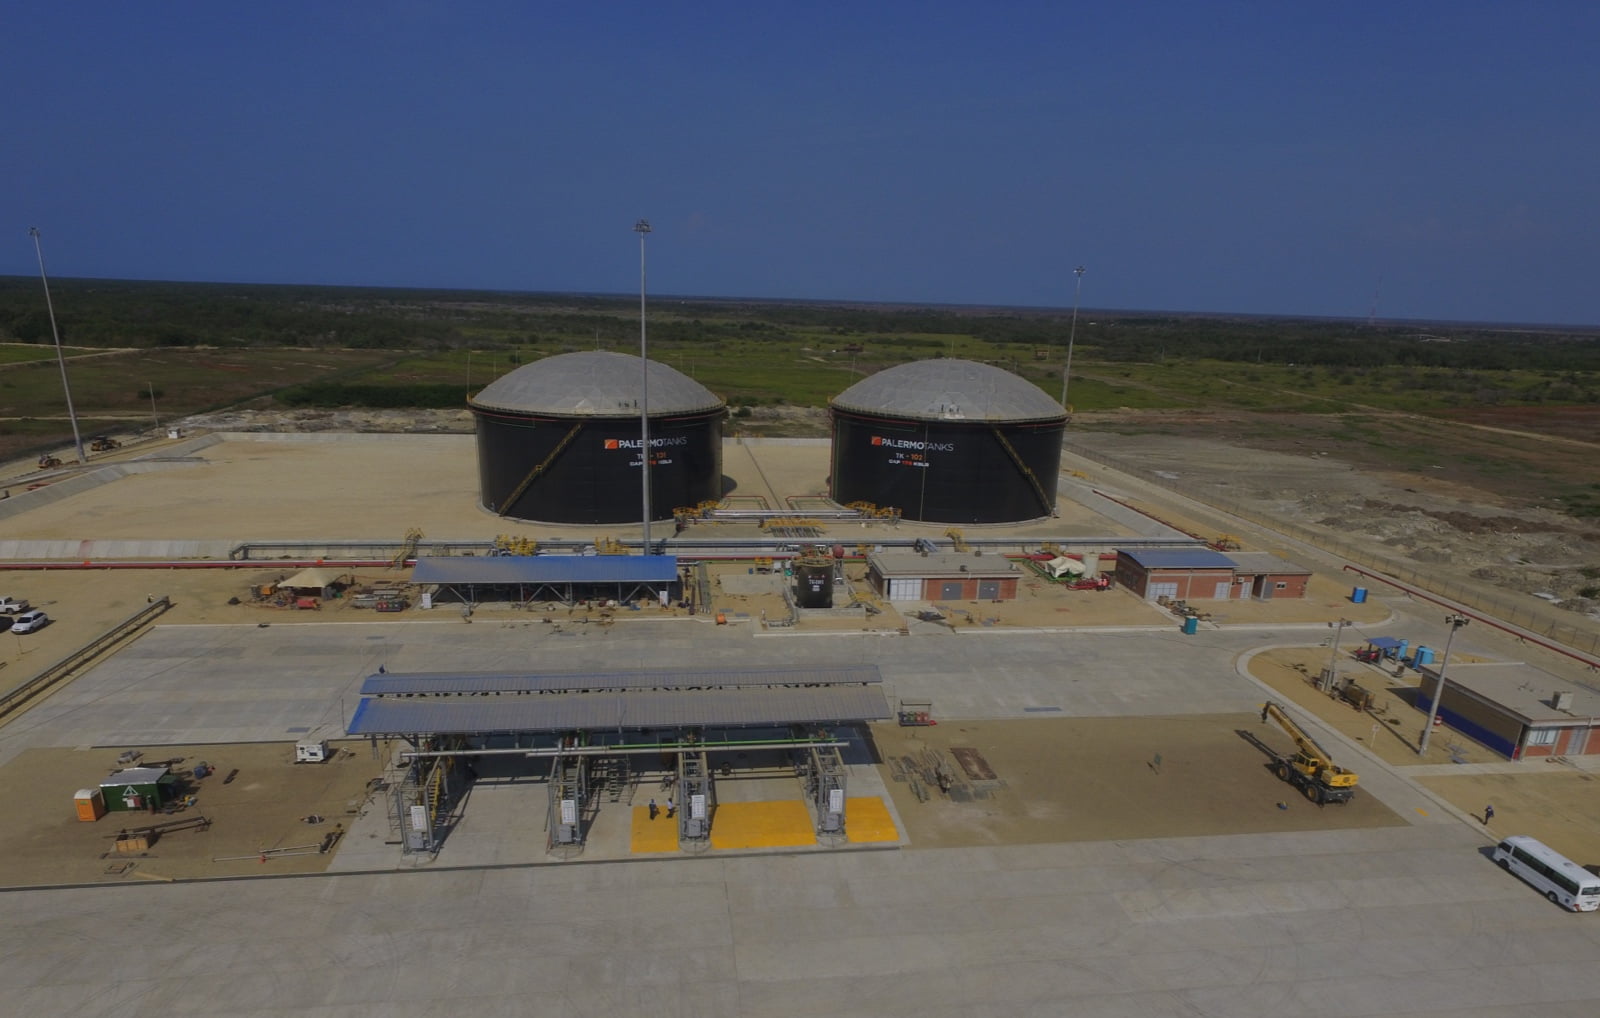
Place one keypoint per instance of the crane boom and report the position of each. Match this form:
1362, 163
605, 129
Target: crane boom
1311, 769
1302, 739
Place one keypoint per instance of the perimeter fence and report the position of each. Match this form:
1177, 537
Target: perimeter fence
1513, 609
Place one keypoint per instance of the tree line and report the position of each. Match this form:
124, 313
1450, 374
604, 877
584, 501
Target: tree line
118, 313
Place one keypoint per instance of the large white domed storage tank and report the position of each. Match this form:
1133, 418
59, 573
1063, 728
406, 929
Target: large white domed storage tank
948, 441
558, 440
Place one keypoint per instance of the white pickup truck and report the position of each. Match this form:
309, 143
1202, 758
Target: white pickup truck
12, 606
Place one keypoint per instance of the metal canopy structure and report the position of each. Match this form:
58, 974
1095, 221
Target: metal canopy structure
485, 683
438, 703
589, 726
564, 578
616, 710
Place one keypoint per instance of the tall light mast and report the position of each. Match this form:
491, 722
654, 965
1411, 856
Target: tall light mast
642, 228
1066, 372
61, 359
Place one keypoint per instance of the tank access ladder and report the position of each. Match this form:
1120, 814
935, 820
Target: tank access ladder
1048, 503
511, 500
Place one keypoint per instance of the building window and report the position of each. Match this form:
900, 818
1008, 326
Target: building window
1280, 585
1542, 736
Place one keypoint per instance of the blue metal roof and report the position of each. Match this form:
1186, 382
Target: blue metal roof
508, 569
481, 683
1384, 643
1178, 558
616, 710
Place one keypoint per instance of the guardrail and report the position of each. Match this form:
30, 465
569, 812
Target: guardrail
54, 673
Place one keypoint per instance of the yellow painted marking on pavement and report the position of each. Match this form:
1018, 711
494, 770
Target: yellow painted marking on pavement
1420, 811
782, 824
658, 835
867, 820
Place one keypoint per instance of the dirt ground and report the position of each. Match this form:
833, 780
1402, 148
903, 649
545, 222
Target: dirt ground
1548, 798
1099, 779
84, 604
1055, 778
1554, 803
1479, 496
262, 808
1391, 729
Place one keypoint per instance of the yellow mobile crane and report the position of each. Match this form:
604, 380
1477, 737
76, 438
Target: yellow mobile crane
1310, 769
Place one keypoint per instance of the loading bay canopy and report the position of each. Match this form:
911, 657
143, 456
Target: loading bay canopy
565, 578
434, 703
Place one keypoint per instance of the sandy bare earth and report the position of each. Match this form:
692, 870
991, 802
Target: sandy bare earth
262, 808
1097, 779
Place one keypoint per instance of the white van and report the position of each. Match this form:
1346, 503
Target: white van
27, 622
1563, 881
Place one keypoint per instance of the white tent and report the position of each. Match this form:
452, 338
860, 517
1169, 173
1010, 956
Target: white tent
1062, 566
311, 579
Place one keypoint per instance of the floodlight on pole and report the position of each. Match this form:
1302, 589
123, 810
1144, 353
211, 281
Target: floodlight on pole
1333, 655
1066, 372
642, 228
1454, 621
61, 359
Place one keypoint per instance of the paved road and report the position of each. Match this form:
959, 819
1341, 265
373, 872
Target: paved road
1402, 921
1397, 921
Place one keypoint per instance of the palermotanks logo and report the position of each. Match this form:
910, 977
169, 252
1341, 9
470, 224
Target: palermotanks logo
655, 443
912, 444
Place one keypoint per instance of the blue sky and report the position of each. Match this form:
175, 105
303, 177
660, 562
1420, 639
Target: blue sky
1265, 157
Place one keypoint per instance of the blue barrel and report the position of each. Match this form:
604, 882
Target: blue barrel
1191, 626
1424, 657
1358, 595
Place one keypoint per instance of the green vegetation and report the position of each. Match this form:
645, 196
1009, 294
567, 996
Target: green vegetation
1335, 386
1584, 503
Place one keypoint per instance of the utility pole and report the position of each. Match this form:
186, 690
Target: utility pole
1455, 622
642, 228
153, 415
1072, 333
61, 359
1327, 673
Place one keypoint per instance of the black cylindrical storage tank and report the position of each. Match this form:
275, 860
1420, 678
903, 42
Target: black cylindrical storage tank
559, 440
813, 581
948, 441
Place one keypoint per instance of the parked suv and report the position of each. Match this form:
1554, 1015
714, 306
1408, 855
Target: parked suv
27, 622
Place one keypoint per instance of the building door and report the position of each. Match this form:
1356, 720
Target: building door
1224, 587
950, 590
1578, 741
1159, 590
988, 590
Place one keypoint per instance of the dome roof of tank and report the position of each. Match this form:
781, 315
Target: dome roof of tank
593, 383
949, 390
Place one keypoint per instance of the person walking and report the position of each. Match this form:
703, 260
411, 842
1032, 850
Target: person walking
671, 809
653, 809
1488, 815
